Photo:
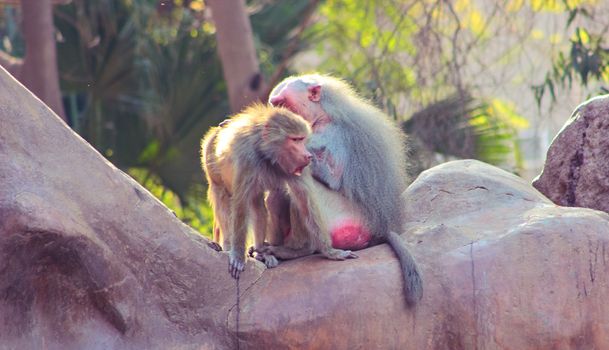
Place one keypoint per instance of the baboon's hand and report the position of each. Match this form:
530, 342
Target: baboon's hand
264, 254
339, 254
236, 264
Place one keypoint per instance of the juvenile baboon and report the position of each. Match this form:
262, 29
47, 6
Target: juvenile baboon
359, 153
260, 149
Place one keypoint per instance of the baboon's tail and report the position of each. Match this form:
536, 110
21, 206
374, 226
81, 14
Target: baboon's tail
413, 284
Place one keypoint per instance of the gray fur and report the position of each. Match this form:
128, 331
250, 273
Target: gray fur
371, 151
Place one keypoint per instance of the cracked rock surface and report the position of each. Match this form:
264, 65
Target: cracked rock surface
503, 268
576, 171
90, 260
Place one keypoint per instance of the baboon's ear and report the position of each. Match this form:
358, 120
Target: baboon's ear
314, 93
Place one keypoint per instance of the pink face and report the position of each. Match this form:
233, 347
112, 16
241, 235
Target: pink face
294, 156
302, 101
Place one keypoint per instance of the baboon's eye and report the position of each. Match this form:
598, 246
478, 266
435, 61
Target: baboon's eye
297, 138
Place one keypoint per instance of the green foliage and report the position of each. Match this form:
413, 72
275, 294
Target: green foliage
587, 60
496, 124
463, 127
96, 62
198, 216
151, 85
403, 55
182, 92
367, 43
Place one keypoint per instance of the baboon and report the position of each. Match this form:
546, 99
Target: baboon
358, 153
258, 150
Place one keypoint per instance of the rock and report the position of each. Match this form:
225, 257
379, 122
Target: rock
503, 267
90, 260
576, 172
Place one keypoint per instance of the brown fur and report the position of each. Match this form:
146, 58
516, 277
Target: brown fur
261, 149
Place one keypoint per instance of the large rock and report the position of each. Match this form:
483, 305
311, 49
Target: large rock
90, 260
503, 267
576, 172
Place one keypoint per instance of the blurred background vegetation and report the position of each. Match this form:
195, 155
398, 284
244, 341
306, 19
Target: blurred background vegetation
142, 80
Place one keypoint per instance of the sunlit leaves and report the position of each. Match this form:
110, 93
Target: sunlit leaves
472, 17
496, 123
197, 5
208, 27
366, 39
404, 55
547, 5
506, 112
605, 73
588, 59
371, 44
199, 217
537, 34
559, 5
581, 36
475, 22
149, 153
463, 127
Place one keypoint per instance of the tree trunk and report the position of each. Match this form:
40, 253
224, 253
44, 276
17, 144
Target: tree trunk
237, 52
39, 71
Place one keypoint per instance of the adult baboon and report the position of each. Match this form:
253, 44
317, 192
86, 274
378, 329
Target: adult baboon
359, 153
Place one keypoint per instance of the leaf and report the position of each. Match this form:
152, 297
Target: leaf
583, 36
537, 34
150, 152
476, 22
572, 14
507, 113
